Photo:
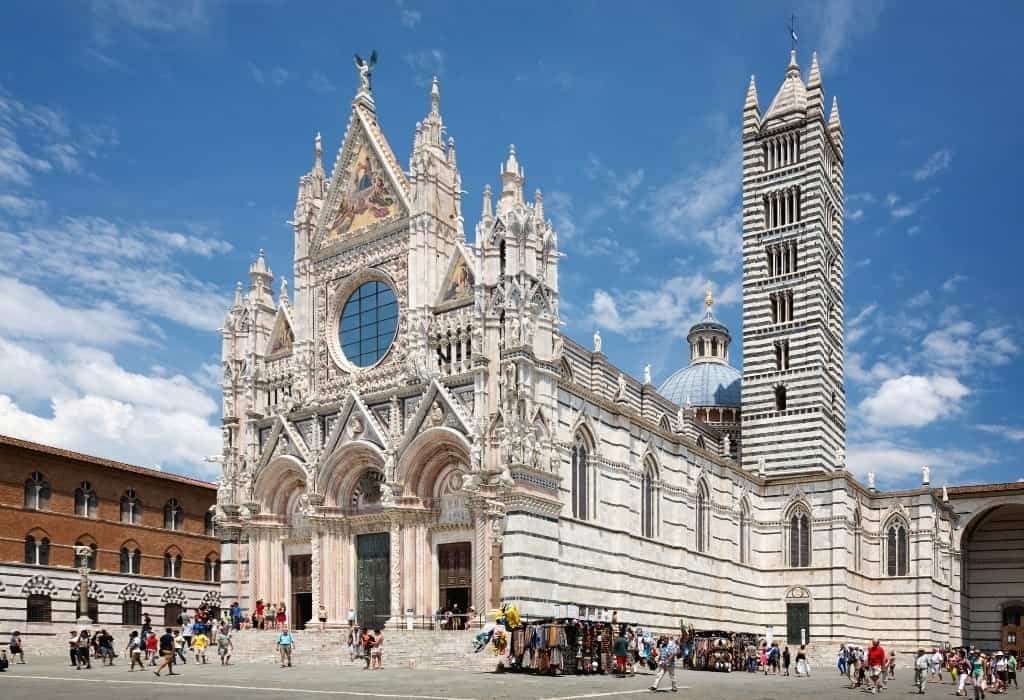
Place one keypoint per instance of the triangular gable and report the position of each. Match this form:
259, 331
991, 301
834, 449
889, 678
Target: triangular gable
282, 338
354, 422
275, 445
459, 279
451, 414
367, 187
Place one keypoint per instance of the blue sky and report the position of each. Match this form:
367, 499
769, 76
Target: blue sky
148, 150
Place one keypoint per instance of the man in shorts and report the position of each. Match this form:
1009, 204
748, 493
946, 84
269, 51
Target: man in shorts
166, 645
199, 644
876, 662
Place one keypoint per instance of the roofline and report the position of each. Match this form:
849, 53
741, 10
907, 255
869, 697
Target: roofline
7, 440
970, 489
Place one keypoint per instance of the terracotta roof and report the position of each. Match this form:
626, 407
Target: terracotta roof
100, 461
971, 489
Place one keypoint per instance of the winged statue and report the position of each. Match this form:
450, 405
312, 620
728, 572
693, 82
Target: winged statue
365, 69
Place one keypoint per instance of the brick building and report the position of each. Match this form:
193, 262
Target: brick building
151, 533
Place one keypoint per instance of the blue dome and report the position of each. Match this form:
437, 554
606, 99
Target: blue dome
704, 384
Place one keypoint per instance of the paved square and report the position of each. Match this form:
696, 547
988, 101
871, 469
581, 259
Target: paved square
52, 678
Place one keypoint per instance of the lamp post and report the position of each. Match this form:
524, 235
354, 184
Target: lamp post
82, 554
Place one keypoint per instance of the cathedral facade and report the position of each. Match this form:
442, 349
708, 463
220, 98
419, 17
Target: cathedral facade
407, 428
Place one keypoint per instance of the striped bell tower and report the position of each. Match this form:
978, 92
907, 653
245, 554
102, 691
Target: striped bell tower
794, 404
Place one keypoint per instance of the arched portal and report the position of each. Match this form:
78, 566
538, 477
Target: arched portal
992, 587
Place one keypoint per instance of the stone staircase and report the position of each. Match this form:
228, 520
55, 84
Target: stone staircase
423, 649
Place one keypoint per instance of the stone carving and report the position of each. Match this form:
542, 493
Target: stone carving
505, 478
647, 374
365, 69
39, 585
387, 495
558, 347
620, 390
133, 591
597, 341
175, 596
871, 480
475, 455
356, 427
436, 415
726, 445
470, 482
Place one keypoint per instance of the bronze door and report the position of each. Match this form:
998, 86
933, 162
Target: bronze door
373, 579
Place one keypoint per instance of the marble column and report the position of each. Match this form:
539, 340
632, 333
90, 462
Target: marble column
315, 544
397, 614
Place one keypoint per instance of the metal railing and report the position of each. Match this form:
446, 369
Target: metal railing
438, 622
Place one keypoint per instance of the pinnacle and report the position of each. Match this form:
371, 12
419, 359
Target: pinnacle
814, 77
751, 100
833, 117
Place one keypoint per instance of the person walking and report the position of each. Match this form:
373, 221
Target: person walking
377, 653
351, 617
17, 648
876, 662
321, 615
151, 652
83, 650
785, 660
224, 645
282, 617
367, 643
134, 651
180, 646
199, 644
73, 648
166, 646
666, 664
621, 654
284, 646
1011, 671
921, 664
188, 631
802, 667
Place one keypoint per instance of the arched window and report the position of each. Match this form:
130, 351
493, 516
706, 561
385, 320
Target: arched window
703, 524
131, 559
897, 546
800, 539
212, 568
131, 612
580, 480
649, 501
780, 398
131, 508
857, 536
172, 515
85, 500
37, 492
172, 565
208, 524
38, 609
37, 551
88, 562
744, 534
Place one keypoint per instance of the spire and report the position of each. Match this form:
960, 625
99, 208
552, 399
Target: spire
487, 212
435, 98
793, 69
238, 296
451, 151
709, 301
791, 97
538, 205
751, 110
835, 127
259, 274
815, 90
512, 178
318, 166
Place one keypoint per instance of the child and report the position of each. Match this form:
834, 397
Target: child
199, 644
179, 646
151, 648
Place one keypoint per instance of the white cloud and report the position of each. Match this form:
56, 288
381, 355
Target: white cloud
953, 282
275, 75
842, 22
205, 247
879, 371
425, 65
922, 298
855, 215
959, 344
913, 401
936, 163
409, 17
862, 263
674, 305
17, 205
318, 82
898, 463
1010, 432
901, 209
625, 258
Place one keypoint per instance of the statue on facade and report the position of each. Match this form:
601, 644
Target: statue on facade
527, 332
558, 346
387, 495
505, 478
726, 445
516, 331
365, 69
475, 455
597, 341
926, 475
840, 457
871, 480
647, 373
680, 419
470, 482
620, 391
762, 467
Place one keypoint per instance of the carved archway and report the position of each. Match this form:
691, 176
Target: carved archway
133, 591
39, 585
276, 483
428, 456
343, 469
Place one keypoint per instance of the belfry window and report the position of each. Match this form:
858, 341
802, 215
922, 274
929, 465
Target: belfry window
897, 556
580, 480
780, 398
781, 355
800, 539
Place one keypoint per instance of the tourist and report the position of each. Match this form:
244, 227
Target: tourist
841, 660
377, 652
876, 662
978, 675
964, 669
224, 645
785, 660
351, 617
282, 618
3, 660
199, 644
17, 648
802, 667
354, 646
367, 643
999, 665
83, 650
180, 646
151, 653
890, 669
270, 617
667, 652
166, 653
632, 652
1011, 671
936, 666
73, 648
773, 658
258, 615
105, 647
621, 653
764, 658
921, 665
134, 651
321, 615
284, 646
188, 631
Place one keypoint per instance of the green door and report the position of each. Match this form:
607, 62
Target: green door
373, 579
798, 617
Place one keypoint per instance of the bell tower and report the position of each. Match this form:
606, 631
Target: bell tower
794, 403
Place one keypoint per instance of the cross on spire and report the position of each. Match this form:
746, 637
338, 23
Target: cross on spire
792, 32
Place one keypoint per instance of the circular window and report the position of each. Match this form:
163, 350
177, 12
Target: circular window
368, 323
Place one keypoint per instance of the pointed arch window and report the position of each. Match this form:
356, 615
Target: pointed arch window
800, 539
37, 492
703, 517
85, 500
857, 537
172, 515
897, 544
211, 568
172, 565
37, 551
131, 508
131, 560
649, 501
744, 533
580, 480
208, 524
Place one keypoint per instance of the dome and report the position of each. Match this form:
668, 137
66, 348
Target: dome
704, 384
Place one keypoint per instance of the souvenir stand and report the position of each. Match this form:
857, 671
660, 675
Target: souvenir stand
715, 650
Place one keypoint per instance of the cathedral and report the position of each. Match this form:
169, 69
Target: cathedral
406, 428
